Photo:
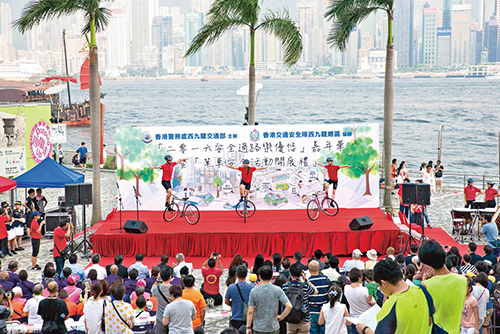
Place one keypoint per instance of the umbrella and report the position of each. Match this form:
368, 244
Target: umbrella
55, 89
243, 91
7, 184
65, 79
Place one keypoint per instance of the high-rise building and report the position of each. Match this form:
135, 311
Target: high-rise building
447, 4
492, 41
140, 31
429, 35
237, 49
306, 11
192, 24
403, 27
476, 44
460, 34
118, 39
443, 46
161, 34
6, 21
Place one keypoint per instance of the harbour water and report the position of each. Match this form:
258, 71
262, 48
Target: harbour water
468, 108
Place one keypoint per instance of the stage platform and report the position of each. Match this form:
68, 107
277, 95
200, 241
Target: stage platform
267, 232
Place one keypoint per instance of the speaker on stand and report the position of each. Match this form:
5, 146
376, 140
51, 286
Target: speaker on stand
80, 194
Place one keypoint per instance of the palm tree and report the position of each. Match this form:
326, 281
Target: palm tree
346, 15
225, 15
96, 19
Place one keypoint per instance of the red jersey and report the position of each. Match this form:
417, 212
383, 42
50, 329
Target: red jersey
489, 194
3, 227
211, 280
167, 171
400, 193
59, 240
332, 172
35, 226
246, 174
470, 193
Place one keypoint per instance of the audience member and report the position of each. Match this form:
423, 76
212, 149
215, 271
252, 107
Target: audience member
468, 267
131, 283
190, 293
236, 261
101, 271
231, 276
357, 295
372, 259
413, 252
488, 250
277, 263
181, 262
31, 308
161, 291
390, 253
482, 295
236, 296
472, 252
155, 275
6, 310
333, 313
257, 264
297, 258
73, 291
163, 262
25, 285
179, 314
4, 281
318, 254
470, 314
447, 290
141, 286
332, 272
75, 268
72, 308
141, 268
263, 305
11, 269
178, 280
53, 310
286, 267
17, 303
122, 270
490, 230
93, 310
118, 310
211, 276
355, 262
321, 283
113, 274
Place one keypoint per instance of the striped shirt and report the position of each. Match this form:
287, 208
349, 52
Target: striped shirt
308, 292
466, 268
321, 283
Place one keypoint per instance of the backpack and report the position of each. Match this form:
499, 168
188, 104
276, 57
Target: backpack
75, 159
295, 294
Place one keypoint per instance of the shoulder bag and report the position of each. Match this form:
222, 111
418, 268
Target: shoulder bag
65, 253
245, 305
162, 295
123, 320
436, 329
103, 319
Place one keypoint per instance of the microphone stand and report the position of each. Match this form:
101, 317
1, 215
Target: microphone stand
137, 202
121, 206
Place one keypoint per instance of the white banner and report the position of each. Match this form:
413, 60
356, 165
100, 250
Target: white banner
12, 161
57, 133
291, 153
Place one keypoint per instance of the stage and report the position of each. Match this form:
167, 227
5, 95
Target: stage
267, 232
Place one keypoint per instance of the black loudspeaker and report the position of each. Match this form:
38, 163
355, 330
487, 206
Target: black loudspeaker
135, 226
85, 193
360, 223
71, 194
409, 193
52, 220
423, 194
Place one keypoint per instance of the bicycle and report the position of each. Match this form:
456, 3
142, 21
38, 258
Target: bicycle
245, 209
327, 205
189, 211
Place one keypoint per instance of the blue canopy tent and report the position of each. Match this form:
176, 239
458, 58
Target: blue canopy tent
48, 174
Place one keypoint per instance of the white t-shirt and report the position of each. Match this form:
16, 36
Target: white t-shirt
428, 178
349, 264
482, 299
92, 315
101, 271
177, 268
331, 273
334, 318
358, 300
180, 317
31, 306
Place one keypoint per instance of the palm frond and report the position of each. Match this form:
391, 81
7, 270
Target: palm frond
244, 10
36, 11
211, 32
282, 26
338, 8
343, 25
101, 15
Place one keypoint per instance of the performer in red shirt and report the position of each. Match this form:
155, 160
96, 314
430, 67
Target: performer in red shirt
166, 179
36, 235
470, 193
333, 177
246, 177
3, 232
490, 194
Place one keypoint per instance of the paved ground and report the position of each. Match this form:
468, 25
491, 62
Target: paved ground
439, 213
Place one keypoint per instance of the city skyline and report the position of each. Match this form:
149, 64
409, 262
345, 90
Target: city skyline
154, 34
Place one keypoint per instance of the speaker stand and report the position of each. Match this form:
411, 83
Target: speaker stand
84, 245
411, 239
121, 206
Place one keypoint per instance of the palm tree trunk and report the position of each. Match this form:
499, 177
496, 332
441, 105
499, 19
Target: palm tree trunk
388, 114
95, 127
251, 78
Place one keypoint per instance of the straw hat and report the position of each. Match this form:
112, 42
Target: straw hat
372, 254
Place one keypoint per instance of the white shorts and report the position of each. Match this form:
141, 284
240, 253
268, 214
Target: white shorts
11, 234
470, 330
19, 231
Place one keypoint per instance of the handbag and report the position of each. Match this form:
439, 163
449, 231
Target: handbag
436, 329
65, 253
50, 327
123, 320
103, 319
245, 306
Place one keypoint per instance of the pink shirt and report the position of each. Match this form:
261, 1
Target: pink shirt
73, 293
468, 320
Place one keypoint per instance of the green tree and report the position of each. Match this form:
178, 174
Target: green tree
360, 154
128, 147
225, 15
96, 19
154, 157
346, 15
357, 129
218, 185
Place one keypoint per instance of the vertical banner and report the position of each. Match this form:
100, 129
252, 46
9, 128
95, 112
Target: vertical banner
291, 153
12, 161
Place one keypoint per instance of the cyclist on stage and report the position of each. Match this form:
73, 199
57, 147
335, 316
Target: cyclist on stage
332, 175
246, 177
168, 169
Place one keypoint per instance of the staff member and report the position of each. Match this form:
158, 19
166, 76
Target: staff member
470, 193
490, 194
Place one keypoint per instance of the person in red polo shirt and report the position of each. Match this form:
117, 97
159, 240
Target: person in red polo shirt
4, 218
211, 276
166, 179
61, 235
490, 194
36, 235
333, 177
246, 177
470, 193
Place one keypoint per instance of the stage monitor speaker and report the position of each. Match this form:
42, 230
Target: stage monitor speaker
423, 194
71, 194
409, 193
52, 220
360, 223
135, 226
85, 193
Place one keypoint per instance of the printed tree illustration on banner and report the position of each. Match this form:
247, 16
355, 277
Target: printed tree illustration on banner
360, 154
218, 185
128, 143
153, 157
357, 129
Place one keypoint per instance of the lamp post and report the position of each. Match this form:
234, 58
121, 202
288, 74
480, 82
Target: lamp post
244, 91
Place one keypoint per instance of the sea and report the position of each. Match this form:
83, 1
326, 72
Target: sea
468, 108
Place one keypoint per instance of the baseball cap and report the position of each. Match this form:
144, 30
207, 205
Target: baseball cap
5, 204
18, 203
356, 252
489, 182
72, 279
252, 278
36, 213
141, 282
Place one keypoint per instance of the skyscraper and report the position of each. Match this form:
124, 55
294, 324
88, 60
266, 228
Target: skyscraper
305, 20
429, 35
6, 21
140, 31
403, 28
460, 34
192, 23
161, 33
118, 38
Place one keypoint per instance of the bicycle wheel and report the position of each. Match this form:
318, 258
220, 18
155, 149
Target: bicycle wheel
240, 209
250, 209
330, 207
170, 215
313, 210
192, 214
